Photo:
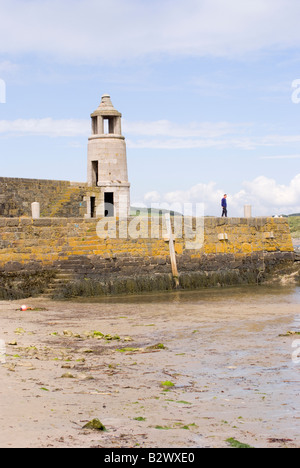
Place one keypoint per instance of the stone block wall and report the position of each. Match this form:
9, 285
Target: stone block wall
56, 198
234, 247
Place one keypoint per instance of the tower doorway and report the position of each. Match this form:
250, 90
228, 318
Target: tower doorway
93, 207
109, 204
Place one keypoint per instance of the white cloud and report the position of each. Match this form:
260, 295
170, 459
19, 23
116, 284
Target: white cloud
152, 197
89, 30
167, 128
274, 195
158, 134
45, 127
6, 66
164, 134
282, 156
265, 195
161, 134
168, 134
186, 143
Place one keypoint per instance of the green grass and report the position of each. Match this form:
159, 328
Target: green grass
236, 444
127, 350
96, 425
294, 223
167, 383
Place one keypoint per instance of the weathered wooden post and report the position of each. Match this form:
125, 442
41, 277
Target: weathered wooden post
172, 250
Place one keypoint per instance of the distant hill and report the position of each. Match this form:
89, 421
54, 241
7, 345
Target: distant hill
136, 211
289, 215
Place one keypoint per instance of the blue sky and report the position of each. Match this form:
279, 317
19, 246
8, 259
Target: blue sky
205, 88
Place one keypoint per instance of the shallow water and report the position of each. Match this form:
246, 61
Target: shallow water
234, 294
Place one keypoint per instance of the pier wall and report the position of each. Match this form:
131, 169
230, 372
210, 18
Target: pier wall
111, 255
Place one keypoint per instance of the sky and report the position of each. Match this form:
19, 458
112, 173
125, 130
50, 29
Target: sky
209, 91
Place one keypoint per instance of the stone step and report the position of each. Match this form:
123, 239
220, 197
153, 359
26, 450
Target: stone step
64, 263
49, 291
61, 279
62, 273
64, 276
57, 281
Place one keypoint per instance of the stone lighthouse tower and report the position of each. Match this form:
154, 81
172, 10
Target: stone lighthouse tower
109, 189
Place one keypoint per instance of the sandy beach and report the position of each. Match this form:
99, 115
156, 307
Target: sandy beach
174, 370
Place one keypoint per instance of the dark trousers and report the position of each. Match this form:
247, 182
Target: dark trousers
224, 212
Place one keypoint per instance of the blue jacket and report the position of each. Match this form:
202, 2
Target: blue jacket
224, 203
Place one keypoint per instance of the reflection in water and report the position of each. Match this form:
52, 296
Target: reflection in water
271, 294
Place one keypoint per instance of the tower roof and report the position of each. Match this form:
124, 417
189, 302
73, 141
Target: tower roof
106, 108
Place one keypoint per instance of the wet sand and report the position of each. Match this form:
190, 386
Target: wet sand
232, 374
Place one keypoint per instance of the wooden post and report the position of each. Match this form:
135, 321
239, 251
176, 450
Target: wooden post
172, 250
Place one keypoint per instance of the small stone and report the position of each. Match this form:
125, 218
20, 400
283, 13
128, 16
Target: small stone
67, 375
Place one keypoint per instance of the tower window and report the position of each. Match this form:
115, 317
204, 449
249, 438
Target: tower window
106, 126
109, 125
95, 173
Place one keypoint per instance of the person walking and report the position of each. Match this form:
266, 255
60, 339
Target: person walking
224, 205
